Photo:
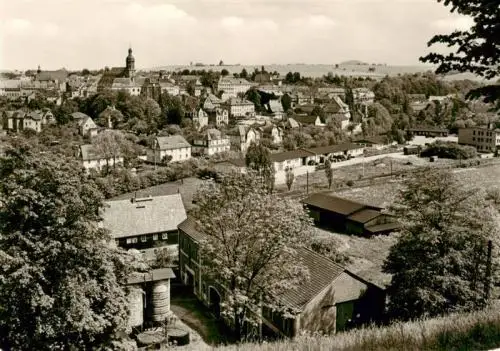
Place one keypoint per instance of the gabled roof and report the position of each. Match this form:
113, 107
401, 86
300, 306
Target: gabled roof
322, 272
190, 228
293, 123
306, 119
78, 115
213, 134
381, 228
151, 276
125, 218
275, 106
172, 142
336, 204
35, 115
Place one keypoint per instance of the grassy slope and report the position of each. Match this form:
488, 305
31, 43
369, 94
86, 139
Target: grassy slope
473, 331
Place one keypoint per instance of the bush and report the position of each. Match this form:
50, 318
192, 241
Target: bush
349, 183
450, 150
328, 247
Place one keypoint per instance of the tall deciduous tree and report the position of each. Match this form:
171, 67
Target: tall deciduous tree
250, 245
111, 144
438, 264
477, 50
59, 277
258, 158
329, 172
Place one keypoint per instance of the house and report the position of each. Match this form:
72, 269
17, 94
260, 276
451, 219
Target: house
145, 224
211, 103
16, 121
127, 84
484, 139
306, 109
276, 109
86, 125
212, 142
363, 95
218, 117
149, 298
93, 159
240, 108
324, 303
349, 216
428, 131
339, 151
231, 87
169, 88
291, 123
339, 111
272, 132
308, 120
173, 147
241, 137
200, 118
283, 161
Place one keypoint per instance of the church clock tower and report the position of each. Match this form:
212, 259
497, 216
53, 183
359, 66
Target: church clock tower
130, 65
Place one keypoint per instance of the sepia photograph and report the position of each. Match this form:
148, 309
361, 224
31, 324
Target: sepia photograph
249, 175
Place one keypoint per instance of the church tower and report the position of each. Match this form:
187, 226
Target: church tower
130, 65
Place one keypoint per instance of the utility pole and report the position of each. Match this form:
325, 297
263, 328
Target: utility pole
391, 167
487, 281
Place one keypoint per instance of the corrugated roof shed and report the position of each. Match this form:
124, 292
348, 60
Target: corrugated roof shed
157, 214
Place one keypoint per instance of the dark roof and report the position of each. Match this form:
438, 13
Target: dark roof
151, 276
190, 228
172, 142
336, 204
428, 129
380, 228
322, 272
364, 215
334, 148
372, 140
305, 119
290, 155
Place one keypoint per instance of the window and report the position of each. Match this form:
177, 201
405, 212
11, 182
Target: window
131, 240
155, 236
144, 238
164, 236
473, 139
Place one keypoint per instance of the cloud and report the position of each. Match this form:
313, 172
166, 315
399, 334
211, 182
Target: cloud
451, 24
17, 26
232, 21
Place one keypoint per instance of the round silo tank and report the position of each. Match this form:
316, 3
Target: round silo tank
160, 300
136, 305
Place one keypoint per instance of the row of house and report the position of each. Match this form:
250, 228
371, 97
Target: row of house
326, 303
19, 120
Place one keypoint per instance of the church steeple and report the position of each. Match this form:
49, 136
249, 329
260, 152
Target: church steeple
130, 64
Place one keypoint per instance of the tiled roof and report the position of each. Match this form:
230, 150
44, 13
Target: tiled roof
34, 115
172, 142
290, 155
334, 148
79, 115
364, 215
157, 214
190, 228
336, 204
322, 272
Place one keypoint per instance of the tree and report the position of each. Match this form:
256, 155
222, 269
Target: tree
477, 49
250, 246
328, 247
290, 177
60, 279
244, 74
329, 172
110, 117
438, 264
258, 158
152, 112
349, 98
286, 102
110, 144
224, 72
253, 95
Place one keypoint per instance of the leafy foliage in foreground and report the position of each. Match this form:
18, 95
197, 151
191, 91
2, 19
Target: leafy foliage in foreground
251, 244
59, 278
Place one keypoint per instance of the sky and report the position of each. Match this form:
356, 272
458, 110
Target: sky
78, 34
